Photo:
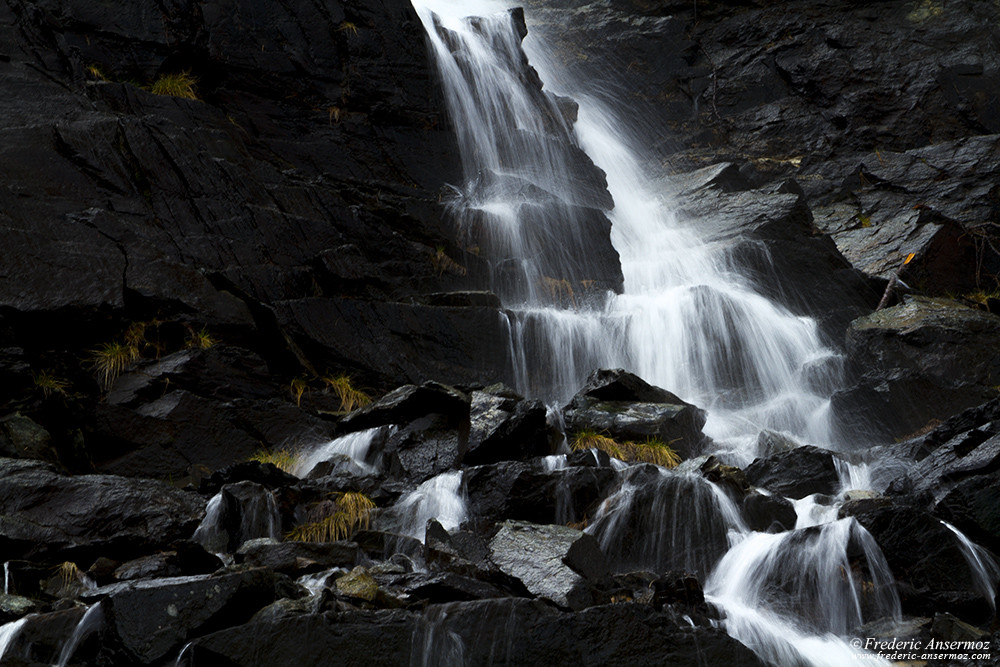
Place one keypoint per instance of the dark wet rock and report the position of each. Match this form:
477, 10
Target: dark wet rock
461, 552
730, 478
22, 438
148, 620
265, 474
922, 360
239, 512
41, 638
426, 447
408, 403
187, 558
382, 545
442, 587
178, 430
13, 607
768, 513
505, 426
511, 631
559, 564
770, 443
519, 490
645, 523
927, 560
797, 473
294, 558
625, 407
772, 238
45, 513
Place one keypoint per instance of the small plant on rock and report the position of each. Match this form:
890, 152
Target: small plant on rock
283, 459
297, 388
591, 439
95, 72
199, 340
49, 383
111, 359
653, 450
348, 512
350, 397
181, 84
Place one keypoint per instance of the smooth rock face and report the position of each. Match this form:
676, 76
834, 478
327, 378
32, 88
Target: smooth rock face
556, 563
43, 513
925, 359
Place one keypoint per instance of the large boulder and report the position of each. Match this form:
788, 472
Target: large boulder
556, 563
926, 359
44, 514
148, 620
625, 407
505, 426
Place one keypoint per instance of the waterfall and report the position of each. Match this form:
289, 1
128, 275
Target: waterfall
683, 316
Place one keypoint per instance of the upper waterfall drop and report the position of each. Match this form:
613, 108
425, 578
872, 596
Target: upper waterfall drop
685, 319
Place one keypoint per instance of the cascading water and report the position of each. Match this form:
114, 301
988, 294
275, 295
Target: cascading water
686, 319
438, 498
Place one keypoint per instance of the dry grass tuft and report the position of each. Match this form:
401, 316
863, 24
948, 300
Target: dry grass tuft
283, 459
350, 397
181, 84
653, 450
349, 512
111, 359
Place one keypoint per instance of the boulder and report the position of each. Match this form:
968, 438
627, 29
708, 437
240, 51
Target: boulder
796, 473
149, 620
237, 513
408, 403
517, 490
39, 639
768, 513
625, 407
294, 558
922, 360
46, 514
505, 426
556, 563
928, 561
22, 438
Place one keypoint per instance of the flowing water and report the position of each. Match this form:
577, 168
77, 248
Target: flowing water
685, 318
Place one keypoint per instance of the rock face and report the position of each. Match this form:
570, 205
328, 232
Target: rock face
543, 636
924, 359
45, 513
